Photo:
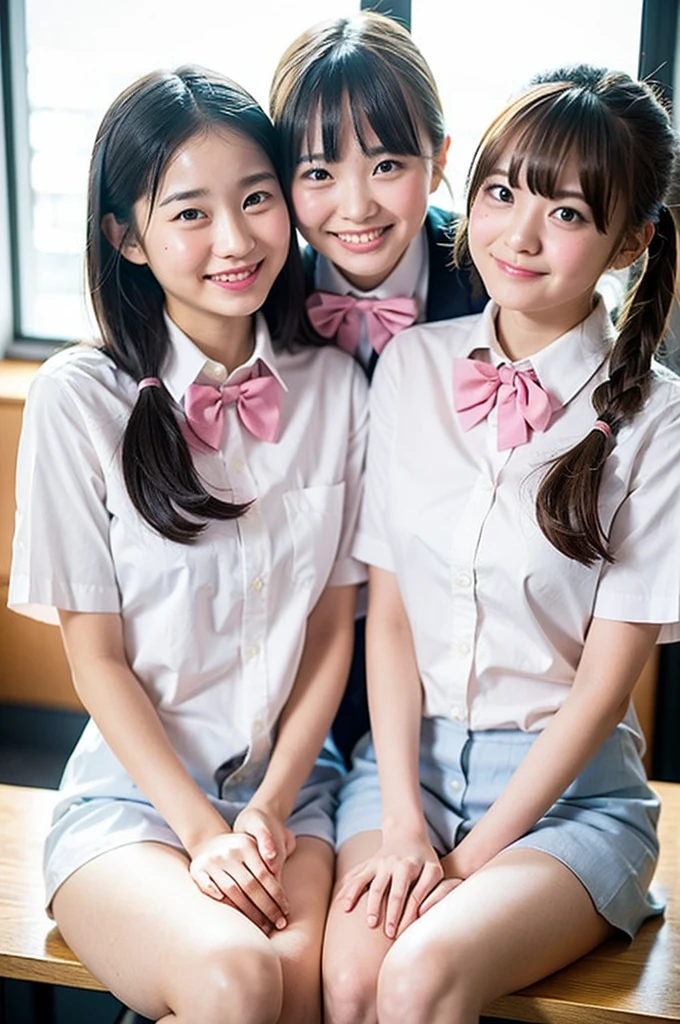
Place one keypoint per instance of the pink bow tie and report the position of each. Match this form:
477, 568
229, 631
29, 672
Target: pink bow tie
523, 405
258, 403
340, 316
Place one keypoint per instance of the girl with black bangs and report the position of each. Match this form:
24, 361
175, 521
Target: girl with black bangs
187, 494
364, 145
520, 524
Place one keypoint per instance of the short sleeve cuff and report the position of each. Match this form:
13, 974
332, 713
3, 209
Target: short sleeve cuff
373, 551
40, 598
627, 607
347, 572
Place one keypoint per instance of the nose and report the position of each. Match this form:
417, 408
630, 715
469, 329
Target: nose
523, 234
232, 236
357, 202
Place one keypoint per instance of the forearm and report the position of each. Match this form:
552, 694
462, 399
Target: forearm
313, 702
395, 704
596, 704
130, 725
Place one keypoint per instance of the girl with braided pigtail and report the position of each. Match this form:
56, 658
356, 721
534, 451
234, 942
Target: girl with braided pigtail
520, 524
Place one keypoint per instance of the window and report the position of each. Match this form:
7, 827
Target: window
64, 62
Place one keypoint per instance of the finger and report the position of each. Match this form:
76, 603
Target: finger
428, 881
270, 883
437, 895
249, 897
206, 884
290, 841
253, 914
353, 887
266, 844
376, 895
400, 889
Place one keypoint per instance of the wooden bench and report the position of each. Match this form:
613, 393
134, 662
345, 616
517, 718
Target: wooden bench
620, 982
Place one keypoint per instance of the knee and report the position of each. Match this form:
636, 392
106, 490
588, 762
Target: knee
416, 982
242, 985
349, 991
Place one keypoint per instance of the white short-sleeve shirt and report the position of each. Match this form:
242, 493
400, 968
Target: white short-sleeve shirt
499, 616
214, 630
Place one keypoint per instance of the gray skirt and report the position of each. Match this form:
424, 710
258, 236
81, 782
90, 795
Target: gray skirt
603, 827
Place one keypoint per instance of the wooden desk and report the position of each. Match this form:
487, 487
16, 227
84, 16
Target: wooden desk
619, 983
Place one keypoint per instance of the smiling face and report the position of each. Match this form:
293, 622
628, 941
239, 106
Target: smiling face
363, 210
217, 235
540, 257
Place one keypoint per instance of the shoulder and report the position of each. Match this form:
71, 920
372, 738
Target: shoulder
79, 384
424, 351
441, 223
324, 370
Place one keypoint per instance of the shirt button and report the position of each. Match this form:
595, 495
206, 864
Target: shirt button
454, 786
237, 465
217, 371
462, 647
463, 579
457, 714
252, 652
258, 584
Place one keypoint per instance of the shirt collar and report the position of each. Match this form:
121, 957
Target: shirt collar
408, 279
567, 364
186, 364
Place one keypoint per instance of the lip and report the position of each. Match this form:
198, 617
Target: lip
367, 240
516, 272
237, 279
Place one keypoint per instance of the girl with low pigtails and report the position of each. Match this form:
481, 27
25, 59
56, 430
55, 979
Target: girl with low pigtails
520, 524
187, 493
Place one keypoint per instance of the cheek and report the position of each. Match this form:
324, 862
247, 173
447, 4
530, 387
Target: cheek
310, 207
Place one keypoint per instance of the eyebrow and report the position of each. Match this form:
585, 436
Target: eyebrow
185, 195
560, 194
372, 151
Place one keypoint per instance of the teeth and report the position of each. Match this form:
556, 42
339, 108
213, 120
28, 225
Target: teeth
233, 278
365, 236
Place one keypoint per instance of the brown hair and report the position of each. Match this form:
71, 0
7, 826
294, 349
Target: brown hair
626, 150
369, 59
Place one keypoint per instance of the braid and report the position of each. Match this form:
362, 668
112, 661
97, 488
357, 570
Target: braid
567, 501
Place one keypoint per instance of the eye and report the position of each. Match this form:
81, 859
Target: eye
316, 174
500, 192
190, 215
256, 199
568, 215
388, 166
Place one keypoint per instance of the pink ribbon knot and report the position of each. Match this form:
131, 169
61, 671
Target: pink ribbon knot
258, 404
340, 316
523, 404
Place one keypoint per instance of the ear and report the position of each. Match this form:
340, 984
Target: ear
439, 164
121, 238
633, 246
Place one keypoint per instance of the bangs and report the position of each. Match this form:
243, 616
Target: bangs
548, 132
374, 99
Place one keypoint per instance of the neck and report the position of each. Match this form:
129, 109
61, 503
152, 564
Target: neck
226, 340
522, 335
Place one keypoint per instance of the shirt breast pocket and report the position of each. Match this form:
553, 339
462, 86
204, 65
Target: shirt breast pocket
314, 517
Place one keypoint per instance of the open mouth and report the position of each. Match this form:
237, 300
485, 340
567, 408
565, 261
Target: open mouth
361, 237
235, 276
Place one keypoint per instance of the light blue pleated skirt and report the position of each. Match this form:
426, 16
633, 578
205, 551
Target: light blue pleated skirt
603, 827
85, 828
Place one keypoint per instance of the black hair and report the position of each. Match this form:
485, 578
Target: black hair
370, 60
138, 136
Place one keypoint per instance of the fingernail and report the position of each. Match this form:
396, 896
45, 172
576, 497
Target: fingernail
372, 920
281, 923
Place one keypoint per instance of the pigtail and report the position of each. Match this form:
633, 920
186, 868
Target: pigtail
132, 147
567, 501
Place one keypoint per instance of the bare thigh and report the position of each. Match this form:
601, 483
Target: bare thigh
353, 952
307, 878
518, 919
137, 920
